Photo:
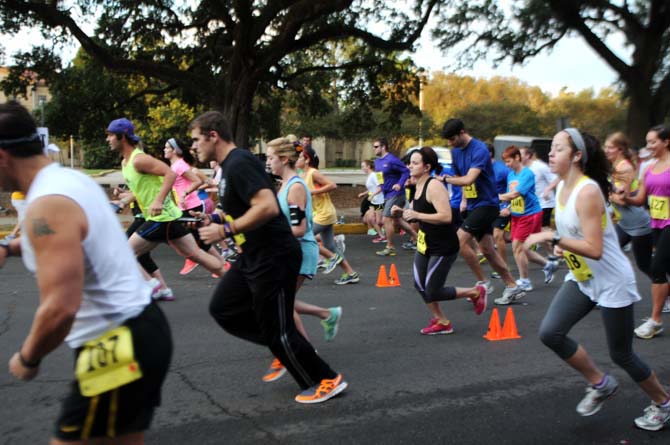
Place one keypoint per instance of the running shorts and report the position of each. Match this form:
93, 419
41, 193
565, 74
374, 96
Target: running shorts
129, 408
479, 221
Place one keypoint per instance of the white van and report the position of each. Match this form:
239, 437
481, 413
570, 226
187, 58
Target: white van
540, 145
443, 155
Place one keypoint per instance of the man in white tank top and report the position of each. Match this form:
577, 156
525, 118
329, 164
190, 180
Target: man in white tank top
96, 301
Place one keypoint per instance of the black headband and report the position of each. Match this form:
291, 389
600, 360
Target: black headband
22, 140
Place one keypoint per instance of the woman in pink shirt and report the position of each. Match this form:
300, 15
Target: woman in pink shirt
185, 190
655, 191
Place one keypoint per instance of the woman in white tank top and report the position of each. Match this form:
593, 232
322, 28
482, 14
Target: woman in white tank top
599, 274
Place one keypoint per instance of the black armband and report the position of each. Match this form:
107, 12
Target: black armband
296, 214
26, 364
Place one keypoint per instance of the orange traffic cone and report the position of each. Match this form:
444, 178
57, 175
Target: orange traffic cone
509, 331
494, 331
393, 276
382, 279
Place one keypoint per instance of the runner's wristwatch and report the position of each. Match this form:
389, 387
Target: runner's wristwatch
556, 239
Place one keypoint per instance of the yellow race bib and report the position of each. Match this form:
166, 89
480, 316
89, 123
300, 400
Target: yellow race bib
107, 363
421, 242
518, 205
658, 207
470, 191
238, 237
577, 265
380, 177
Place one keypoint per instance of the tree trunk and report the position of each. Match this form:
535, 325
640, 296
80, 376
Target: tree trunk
235, 102
639, 114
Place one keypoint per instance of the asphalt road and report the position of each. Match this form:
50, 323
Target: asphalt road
403, 387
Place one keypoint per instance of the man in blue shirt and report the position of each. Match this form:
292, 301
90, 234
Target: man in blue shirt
501, 223
473, 170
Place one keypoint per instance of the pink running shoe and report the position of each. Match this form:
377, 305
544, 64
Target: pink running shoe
379, 239
480, 302
189, 265
437, 328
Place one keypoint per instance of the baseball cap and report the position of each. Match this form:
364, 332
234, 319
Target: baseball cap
123, 126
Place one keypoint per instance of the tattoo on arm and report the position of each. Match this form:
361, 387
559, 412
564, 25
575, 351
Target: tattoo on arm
41, 227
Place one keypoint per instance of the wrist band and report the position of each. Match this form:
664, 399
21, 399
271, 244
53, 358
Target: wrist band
215, 217
227, 230
26, 364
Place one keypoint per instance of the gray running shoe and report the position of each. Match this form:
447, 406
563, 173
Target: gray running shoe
525, 285
665, 310
339, 242
331, 324
164, 295
332, 263
409, 245
348, 278
549, 269
649, 329
594, 398
510, 295
654, 418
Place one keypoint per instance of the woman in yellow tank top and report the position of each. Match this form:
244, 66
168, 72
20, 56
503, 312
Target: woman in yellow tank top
324, 215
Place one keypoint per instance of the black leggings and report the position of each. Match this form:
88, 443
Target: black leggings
571, 305
258, 306
643, 246
430, 274
660, 263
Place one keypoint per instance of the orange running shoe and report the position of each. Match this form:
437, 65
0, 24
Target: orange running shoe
327, 389
274, 372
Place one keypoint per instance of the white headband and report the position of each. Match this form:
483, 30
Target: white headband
576, 137
175, 146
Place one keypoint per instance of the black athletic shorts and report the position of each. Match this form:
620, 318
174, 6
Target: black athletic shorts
456, 217
479, 221
546, 217
129, 408
501, 222
162, 232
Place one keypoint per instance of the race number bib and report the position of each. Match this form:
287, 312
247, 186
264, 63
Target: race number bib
470, 191
107, 363
421, 242
518, 205
658, 207
380, 177
238, 237
577, 265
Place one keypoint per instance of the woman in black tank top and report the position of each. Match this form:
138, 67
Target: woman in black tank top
437, 243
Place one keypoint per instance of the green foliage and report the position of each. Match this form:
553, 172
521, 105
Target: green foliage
484, 30
100, 157
490, 107
221, 54
487, 119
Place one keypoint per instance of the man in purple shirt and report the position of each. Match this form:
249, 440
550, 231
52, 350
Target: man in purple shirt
391, 175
